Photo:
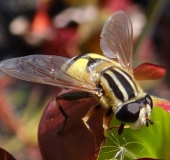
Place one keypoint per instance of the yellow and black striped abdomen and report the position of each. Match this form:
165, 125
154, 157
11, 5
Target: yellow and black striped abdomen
86, 65
118, 86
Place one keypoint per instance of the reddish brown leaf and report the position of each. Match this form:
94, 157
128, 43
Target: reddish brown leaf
148, 71
4, 155
74, 142
161, 103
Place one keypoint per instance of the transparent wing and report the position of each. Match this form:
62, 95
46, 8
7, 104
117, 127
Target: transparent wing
116, 39
47, 70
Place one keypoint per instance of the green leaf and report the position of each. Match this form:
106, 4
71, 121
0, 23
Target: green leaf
148, 142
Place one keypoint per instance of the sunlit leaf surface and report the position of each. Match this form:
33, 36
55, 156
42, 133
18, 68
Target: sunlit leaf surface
152, 142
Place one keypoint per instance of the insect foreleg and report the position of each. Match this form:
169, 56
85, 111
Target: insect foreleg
120, 129
86, 118
106, 120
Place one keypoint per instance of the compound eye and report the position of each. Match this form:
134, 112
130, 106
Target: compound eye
129, 113
149, 100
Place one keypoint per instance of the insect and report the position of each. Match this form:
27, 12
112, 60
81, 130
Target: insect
109, 78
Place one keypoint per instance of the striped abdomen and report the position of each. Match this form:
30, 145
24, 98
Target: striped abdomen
118, 86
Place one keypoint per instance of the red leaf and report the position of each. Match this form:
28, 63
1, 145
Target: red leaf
161, 103
148, 71
74, 142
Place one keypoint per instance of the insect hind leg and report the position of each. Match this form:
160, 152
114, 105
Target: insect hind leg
64, 115
70, 96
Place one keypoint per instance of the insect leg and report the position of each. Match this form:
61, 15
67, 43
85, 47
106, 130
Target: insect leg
86, 118
106, 120
70, 96
120, 129
64, 115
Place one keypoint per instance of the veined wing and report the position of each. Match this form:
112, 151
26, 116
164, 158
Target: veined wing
116, 39
47, 70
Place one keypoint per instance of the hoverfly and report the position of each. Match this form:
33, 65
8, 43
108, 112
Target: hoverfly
108, 79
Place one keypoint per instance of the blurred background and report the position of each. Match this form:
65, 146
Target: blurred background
68, 28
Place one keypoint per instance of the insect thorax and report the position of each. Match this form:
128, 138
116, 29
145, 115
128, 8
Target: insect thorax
118, 87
